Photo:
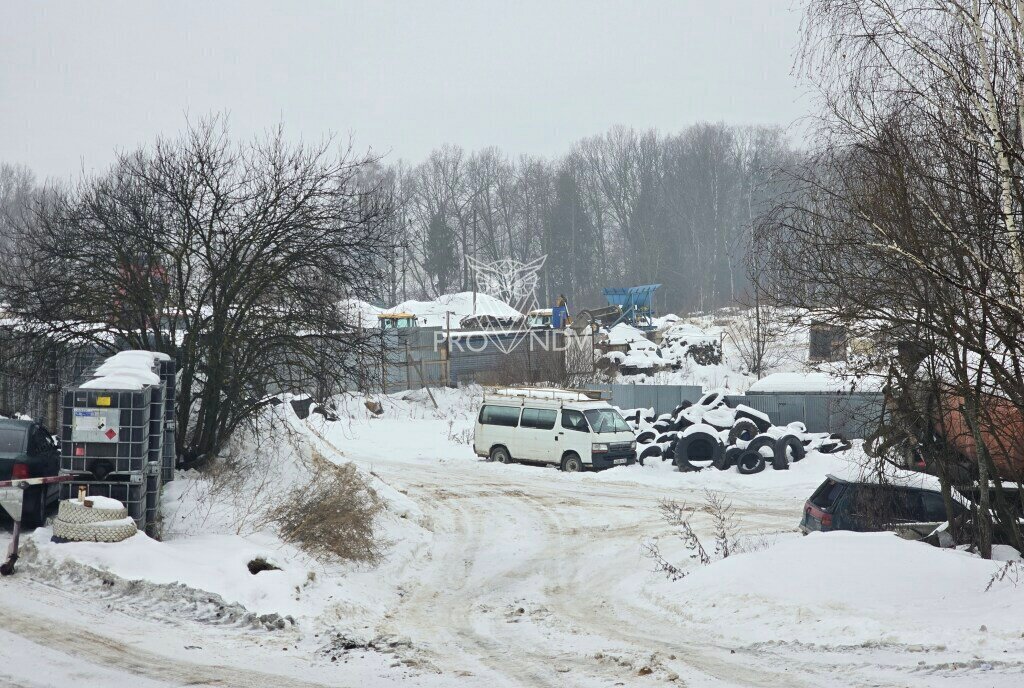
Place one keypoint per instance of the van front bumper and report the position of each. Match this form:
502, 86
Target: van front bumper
608, 460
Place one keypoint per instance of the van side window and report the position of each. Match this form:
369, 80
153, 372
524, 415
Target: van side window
539, 419
574, 420
507, 416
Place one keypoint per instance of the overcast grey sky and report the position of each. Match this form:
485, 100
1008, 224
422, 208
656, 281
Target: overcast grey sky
80, 79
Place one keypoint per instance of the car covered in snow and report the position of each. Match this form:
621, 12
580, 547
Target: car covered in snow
28, 450
564, 428
866, 505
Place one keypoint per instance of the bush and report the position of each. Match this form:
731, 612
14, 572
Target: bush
332, 516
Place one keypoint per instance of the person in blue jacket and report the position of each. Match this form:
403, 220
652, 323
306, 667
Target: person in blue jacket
560, 314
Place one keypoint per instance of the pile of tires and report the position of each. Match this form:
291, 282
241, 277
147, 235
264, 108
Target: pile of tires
92, 520
711, 433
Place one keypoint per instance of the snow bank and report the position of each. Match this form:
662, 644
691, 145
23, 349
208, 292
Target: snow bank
851, 588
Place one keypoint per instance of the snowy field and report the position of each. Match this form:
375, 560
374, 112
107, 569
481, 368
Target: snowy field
504, 575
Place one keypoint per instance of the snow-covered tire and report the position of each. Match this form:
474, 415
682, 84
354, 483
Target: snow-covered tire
728, 459
664, 425
682, 407
646, 437
114, 530
682, 422
750, 462
759, 419
760, 442
650, 451
788, 448
711, 400
706, 440
743, 429
73, 511
666, 437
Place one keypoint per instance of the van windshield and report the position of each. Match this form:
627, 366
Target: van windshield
606, 420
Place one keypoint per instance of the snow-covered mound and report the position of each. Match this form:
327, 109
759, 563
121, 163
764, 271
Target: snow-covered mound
849, 588
453, 307
459, 305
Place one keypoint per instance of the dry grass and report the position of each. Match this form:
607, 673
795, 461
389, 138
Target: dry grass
333, 515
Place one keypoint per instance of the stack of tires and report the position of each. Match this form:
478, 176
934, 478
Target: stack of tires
711, 433
93, 519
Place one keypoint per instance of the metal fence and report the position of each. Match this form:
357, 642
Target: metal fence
853, 415
662, 398
496, 358
413, 358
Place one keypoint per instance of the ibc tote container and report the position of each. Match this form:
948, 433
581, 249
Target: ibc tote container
105, 431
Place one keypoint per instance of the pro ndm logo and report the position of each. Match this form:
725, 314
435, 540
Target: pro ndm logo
507, 281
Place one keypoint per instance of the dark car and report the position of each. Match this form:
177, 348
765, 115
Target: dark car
27, 450
864, 506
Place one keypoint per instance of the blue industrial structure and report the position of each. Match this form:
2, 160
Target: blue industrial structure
635, 303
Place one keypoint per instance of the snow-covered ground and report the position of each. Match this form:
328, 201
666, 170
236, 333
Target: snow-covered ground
506, 575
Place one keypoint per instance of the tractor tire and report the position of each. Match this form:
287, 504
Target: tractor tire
700, 446
760, 442
788, 448
743, 429
759, 421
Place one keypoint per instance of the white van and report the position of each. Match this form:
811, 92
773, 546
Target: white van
571, 430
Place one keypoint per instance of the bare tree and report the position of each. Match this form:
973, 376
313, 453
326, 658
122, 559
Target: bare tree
232, 257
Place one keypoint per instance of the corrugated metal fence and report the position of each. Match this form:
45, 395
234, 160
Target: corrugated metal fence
416, 357
662, 398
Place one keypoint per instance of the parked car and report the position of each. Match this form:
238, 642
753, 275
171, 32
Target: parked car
860, 505
28, 450
547, 426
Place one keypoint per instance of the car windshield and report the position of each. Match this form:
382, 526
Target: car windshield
606, 420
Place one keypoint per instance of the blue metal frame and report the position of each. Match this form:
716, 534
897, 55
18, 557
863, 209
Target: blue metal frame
634, 302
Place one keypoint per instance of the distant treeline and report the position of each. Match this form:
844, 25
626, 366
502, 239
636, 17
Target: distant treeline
627, 207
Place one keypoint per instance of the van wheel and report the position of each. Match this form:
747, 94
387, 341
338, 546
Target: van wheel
501, 455
572, 464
